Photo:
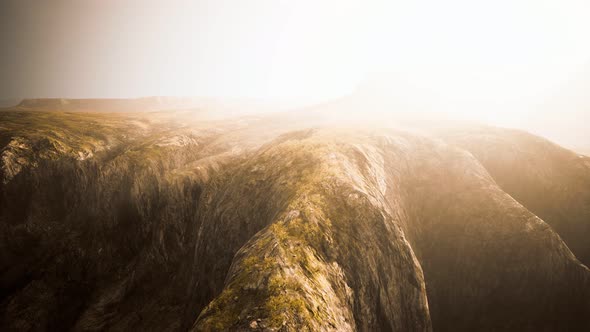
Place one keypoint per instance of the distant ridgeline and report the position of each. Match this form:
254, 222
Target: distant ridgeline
148, 104
215, 106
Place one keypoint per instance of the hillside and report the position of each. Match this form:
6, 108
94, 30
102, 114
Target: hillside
176, 221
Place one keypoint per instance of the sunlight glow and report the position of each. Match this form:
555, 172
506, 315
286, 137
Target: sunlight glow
505, 62
493, 61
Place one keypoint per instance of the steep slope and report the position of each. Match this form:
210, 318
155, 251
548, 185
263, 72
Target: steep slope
488, 262
172, 223
485, 257
552, 182
86, 240
309, 266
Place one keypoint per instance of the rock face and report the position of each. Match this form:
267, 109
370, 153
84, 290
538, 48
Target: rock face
141, 221
550, 181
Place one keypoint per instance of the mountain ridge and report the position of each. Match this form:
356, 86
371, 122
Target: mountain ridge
272, 223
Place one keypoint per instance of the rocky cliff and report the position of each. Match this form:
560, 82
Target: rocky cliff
161, 222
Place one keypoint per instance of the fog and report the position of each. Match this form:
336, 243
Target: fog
523, 64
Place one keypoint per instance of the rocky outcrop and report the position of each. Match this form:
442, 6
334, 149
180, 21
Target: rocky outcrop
326, 255
253, 224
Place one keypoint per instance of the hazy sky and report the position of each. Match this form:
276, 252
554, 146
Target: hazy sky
505, 56
118, 48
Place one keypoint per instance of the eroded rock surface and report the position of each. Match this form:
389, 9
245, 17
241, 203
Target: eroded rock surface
141, 221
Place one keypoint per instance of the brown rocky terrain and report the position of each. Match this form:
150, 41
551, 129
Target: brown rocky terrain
174, 221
